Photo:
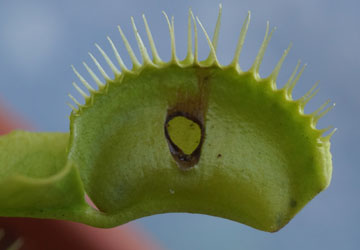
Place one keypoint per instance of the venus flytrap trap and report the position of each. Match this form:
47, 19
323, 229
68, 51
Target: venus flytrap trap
179, 136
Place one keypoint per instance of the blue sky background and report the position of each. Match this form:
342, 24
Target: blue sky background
39, 40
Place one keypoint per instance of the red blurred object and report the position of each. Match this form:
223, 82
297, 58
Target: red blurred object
44, 234
9, 121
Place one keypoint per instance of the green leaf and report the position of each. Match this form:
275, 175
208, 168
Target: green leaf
35, 175
260, 162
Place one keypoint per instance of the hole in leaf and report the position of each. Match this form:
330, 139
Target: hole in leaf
185, 136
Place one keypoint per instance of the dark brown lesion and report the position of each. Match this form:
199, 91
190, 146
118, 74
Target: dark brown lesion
193, 106
293, 203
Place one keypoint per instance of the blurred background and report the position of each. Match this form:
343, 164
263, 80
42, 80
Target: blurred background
40, 39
